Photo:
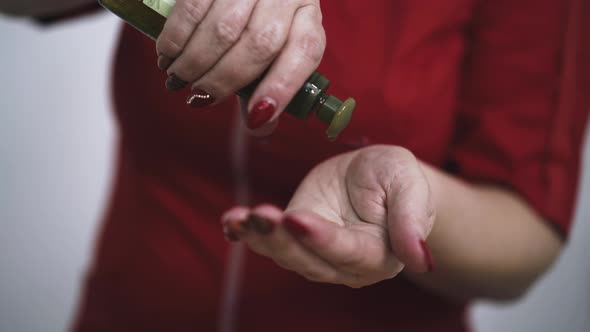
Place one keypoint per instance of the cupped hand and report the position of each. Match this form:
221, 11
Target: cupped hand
220, 46
356, 219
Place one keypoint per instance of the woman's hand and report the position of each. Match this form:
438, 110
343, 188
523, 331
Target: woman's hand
356, 219
220, 46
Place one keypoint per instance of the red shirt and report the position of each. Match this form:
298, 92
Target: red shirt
491, 91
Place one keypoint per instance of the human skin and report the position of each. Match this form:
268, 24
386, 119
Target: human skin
359, 218
284, 40
485, 241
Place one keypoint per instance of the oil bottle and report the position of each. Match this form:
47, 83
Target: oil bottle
149, 16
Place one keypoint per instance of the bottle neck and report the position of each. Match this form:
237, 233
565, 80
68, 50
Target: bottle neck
321, 111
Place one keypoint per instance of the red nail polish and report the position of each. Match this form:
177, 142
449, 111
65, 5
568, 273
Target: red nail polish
260, 114
427, 255
174, 83
295, 227
261, 225
164, 62
244, 226
231, 236
234, 231
199, 98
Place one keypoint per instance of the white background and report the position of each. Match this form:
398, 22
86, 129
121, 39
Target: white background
56, 140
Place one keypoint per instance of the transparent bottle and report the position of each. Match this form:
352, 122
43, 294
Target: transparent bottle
149, 16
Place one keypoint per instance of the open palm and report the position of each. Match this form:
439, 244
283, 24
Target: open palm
356, 219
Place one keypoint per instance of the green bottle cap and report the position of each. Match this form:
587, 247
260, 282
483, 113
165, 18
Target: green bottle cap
336, 113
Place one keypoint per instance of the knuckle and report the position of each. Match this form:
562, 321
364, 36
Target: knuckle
227, 31
311, 45
193, 11
266, 43
313, 9
389, 163
283, 86
169, 45
188, 67
173, 38
366, 158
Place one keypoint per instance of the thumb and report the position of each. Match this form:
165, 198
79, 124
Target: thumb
410, 216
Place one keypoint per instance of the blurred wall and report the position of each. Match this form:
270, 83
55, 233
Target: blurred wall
56, 140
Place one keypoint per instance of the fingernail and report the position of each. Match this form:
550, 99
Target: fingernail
199, 98
261, 113
174, 83
164, 62
230, 236
260, 225
234, 231
244, 226
295, 227
427, 255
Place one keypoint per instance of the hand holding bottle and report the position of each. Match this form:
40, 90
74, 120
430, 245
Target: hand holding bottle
220, 46
356, 219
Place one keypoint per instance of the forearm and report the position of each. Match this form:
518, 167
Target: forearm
486, 241
39, 7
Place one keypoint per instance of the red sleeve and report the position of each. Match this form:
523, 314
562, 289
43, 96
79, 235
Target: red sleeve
525, 101
76, 12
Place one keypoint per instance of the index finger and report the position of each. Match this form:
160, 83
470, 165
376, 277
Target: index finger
298, 60
180, 25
